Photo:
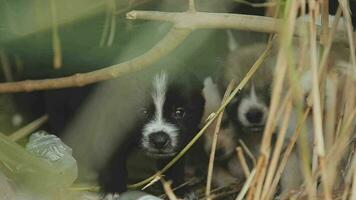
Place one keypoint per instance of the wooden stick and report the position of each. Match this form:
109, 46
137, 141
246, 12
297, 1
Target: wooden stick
277, 148
168, 189
28, 129
243, 162
246, 185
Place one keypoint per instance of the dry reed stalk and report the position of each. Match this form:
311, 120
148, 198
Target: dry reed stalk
243, 163
350, 180
350, 92
346, 102
246, 186
328, 43
215, 140
345, 192
254, 184
353, 193
111, 35
323, 74
330, 109
287, 153
347, 122
286, 35
317, 113
277, 148
300, 101
6, 67
104, 34
341, 141
248, 152
346, 13
191, 6
280, 70
324, 22
168, 190
257, 5
108, 33
28, 129
56, 40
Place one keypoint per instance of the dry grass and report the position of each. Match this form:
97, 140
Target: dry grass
324, 163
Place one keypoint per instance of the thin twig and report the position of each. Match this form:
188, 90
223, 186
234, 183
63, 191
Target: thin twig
167, 188
248, 152
317, 113
287, 153
215, 140
279, 75
346, 13
28, 129
246, 185
198, 20
243, 163
191, 6
257, 5
111, 35
6, 67
56, 41
106, 25
277, 148
324, 22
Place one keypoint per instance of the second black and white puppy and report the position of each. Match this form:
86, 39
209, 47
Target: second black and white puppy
164, 125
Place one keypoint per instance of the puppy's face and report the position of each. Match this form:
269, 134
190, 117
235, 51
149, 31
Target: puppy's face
249, 110
172, 118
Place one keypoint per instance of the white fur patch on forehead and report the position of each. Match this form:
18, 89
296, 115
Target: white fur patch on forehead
159, 93
158, 123
253, 95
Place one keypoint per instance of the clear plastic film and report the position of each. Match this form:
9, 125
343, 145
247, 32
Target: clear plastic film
43, 169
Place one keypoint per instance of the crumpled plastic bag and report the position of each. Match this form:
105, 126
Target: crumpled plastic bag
51, 148
43, 170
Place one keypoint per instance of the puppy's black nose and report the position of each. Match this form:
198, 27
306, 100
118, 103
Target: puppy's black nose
254, 116
159, 139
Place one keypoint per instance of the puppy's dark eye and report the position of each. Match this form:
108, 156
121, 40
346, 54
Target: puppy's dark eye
179, 113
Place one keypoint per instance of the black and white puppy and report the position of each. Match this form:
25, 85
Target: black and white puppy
164, 125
